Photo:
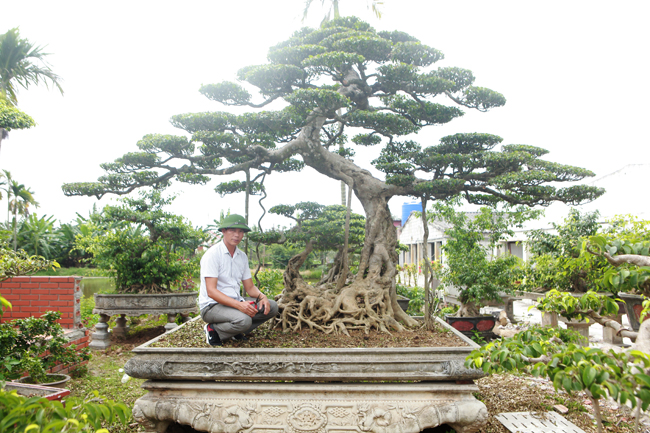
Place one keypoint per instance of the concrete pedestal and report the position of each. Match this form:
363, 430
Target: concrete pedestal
122, 305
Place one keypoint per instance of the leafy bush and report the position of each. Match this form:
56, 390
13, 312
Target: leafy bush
35, 345
552, 352
16, 263
270, 282
37, 414
87, 304
471, 266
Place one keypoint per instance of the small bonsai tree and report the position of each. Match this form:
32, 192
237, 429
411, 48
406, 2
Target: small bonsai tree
149, 250
318, 228
556, 260
473, 263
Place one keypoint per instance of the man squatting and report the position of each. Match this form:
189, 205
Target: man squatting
223, 266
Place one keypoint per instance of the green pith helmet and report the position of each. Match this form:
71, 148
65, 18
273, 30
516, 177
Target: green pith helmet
234, 221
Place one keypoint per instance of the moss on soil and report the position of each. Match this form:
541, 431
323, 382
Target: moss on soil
192, 335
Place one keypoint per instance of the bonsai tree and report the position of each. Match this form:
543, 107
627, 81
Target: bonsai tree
625, 246
347, 78
149, 250
474, 264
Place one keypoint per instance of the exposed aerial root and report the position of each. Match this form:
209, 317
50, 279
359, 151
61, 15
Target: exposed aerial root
322, 308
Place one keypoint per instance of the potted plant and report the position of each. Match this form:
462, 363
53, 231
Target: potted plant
474, 265
151, 254
34, 345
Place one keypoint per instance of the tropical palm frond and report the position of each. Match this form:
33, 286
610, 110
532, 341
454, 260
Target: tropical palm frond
23, 63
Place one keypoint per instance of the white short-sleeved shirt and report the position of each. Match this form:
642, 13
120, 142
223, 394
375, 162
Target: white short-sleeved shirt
229, 271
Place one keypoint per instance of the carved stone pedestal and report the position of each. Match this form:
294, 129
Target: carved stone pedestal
320, 390
231, 407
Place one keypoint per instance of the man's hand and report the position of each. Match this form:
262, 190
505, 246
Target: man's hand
264, 304
247, 308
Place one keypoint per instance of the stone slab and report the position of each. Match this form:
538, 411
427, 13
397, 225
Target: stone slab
546, 422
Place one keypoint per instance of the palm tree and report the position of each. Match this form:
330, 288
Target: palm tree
22, 198
22, 63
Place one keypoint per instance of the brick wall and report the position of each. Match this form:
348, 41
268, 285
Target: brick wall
33, 296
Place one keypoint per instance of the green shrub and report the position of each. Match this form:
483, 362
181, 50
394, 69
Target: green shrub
270, 282
87, 305
35, 345
37, 414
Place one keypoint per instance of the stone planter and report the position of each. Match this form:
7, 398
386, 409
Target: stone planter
307, 390
469, 325
30, 390
633, 306
403, 302
53, 380
107, 305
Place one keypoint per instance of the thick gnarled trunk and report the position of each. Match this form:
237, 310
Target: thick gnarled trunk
370, 300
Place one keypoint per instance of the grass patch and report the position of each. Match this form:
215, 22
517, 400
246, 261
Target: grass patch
69, 272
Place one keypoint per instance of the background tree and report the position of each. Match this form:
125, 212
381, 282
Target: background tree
474, 264
19, 199
385, 88
557, 261
21, 64
318, 228
12, 118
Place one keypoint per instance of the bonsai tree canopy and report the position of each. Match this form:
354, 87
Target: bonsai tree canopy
347, 79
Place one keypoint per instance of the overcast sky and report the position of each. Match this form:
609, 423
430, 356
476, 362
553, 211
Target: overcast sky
575, 75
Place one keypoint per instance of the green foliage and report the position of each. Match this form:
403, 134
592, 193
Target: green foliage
280, 254
13, 118
270, 282
37, 414
22, 63
148, 249
556, 260
34, 345
472, 241
552, 352
625, 235
16, 263
573, 307
88, 319
322, 226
